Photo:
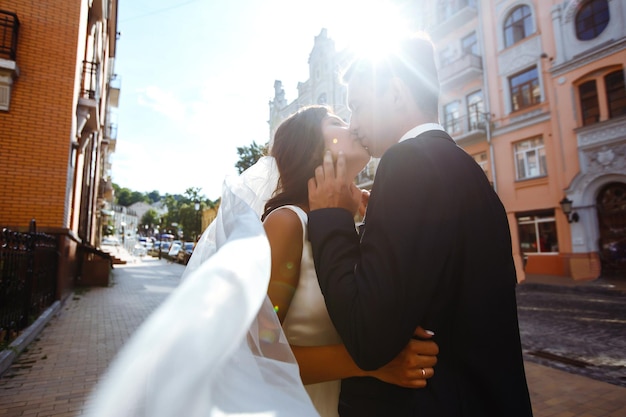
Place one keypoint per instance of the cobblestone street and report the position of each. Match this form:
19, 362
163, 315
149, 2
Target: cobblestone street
579, 330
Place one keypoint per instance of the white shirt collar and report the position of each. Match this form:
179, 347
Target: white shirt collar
418, 130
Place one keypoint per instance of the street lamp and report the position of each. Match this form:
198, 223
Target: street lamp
196, 205
160, 237
123, 224
566, 207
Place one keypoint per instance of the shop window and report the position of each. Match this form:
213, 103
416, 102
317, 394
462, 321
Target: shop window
518, 25
537, 233
530, 159
589, 102
592, 18
524, 89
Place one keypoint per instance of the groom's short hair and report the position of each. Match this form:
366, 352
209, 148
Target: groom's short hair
413, 61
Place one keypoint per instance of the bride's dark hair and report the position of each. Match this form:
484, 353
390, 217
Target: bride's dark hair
298, 149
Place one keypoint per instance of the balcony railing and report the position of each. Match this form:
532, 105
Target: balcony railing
463, 126
111, 131
90, 88
461, 70
9, 30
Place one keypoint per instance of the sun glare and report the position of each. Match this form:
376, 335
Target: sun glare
373, 27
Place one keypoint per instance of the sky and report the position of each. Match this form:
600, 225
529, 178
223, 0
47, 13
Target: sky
197, 77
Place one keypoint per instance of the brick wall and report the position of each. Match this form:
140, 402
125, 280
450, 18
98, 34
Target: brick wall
36, 132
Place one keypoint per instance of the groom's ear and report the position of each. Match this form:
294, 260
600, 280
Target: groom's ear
399, 95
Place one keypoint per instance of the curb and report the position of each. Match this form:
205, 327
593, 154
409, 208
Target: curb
605, 289
8, 356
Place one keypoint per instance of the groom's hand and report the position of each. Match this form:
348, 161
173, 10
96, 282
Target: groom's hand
329, 189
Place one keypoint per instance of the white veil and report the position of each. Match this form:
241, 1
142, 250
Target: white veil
224, 352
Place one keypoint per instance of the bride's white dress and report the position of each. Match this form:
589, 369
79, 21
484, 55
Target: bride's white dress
215, 346
307, 322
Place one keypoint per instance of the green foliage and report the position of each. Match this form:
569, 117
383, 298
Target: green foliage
181, 210
249, 155
150, 219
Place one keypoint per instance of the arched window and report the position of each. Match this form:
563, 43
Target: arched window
518, 25
592, 18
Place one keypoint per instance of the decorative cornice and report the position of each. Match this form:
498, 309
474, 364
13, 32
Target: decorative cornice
589, 57
602, 133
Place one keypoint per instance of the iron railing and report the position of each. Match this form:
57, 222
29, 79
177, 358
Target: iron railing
90, 80
28, 276
9, 30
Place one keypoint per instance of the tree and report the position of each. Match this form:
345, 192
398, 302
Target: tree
149, 219
249, 155
125, 197
153, 196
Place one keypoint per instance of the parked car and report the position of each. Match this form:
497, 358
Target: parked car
110, 240
185, 253
154, 250
173, 250
165, 248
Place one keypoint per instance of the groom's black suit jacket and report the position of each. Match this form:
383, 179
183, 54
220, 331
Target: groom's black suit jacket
436, 252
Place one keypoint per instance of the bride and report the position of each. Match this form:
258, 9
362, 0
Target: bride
247, 330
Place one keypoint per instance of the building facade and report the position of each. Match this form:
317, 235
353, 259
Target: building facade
58, 90
534, 91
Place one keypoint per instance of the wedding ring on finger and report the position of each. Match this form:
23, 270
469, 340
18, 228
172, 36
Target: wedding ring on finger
423, 372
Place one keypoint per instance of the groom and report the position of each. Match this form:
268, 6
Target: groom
435, 252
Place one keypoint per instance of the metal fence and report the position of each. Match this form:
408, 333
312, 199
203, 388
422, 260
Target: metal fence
28, 277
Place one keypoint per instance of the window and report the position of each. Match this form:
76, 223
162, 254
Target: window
524, 88
589, 102
481, 159
469, 44
592, 18
447, 8
530, 159
451, 117
446, 56
475, 110
517, 26
616, 93
537, 233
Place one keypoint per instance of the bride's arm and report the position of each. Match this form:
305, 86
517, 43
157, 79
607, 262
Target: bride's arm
327, 363
284, 232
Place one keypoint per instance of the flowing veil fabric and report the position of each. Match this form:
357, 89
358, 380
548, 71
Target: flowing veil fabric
215, 346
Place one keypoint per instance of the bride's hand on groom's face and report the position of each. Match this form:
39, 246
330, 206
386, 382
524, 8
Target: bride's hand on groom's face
333, 189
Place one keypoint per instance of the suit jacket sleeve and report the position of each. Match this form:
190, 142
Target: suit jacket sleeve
378, 289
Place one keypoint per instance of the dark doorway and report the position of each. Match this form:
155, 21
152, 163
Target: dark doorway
611, 205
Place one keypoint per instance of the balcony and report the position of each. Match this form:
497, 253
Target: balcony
98, 10
88, 101
451, 15
114, 91
461, 71
466, 130
9, 71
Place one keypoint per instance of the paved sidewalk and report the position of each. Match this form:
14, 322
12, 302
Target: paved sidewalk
56, 374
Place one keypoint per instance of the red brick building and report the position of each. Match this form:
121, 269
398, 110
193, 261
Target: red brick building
57, 86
